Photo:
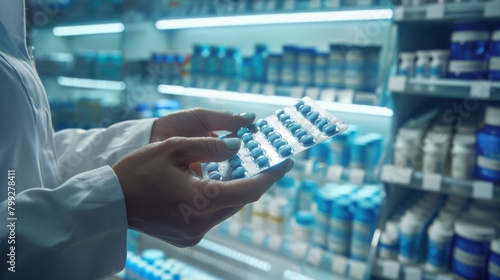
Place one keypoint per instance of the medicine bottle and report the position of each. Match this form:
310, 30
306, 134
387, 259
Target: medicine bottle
339, 236
423, 64
439, 64
471, 246
469, 43
488, 147
336, 66
494, 57
440, 236
407, 64
302, 226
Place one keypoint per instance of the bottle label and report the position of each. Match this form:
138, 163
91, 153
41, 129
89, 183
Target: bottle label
421, 71
494, 269
407, 246
438, 71
467, 258
470, 36
438, 253
463, 66
488, 163
495, 63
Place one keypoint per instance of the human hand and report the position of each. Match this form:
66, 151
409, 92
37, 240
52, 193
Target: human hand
165, 200
197, 123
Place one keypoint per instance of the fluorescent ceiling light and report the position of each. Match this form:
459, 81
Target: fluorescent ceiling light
371, 14
91, 84
272, 100
88, 29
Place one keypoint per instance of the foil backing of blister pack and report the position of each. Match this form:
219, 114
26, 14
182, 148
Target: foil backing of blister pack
247, 161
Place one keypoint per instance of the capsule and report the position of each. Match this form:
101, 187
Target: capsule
279, 112
260, 123
251, 145
267, 129
257, 153
285, 151
284, 117
278, 143
262, 161
242, 131
239, 173
330, 129
299, 104
247, 137
307, 140
320, 123
293, 128
235, 163
312, 116
305, 109
300, 133
211, 167
215, 176
273, 137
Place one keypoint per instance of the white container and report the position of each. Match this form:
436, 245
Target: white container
277, 215
410, 228
440, 236
388, 246
402, 153
463, 155
260, 212
302, 226
422, 65
434, 161
439, 63
407, 64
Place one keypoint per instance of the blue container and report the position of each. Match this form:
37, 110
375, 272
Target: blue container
199, 58
340, 149
469, 45
488, 147
336, 66
339, 237
273, 68
305, 66
214, 60
359, 154
305, 197
232, 63
494, 261
471, 248
259, 62
289, 65
362, 230
494, 55
320, 69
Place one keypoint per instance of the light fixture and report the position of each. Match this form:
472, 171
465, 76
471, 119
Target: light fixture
369, 14
90, 29
272, 100
91, 84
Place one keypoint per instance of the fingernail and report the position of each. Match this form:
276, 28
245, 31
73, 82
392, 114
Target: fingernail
290, 166
248, 116
232, 143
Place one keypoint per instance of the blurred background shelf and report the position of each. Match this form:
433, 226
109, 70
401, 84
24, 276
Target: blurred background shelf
409, 178
391, 269
445, 88
447, 11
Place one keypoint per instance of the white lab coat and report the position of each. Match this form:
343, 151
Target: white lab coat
71, 217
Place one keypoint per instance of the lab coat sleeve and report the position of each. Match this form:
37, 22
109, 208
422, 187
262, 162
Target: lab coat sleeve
81, 150
74, 231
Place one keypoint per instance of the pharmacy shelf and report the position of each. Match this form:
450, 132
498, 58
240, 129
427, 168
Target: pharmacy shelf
394, 270
269, 99
91, 84
448, 11
445, 88
221, 250
407, 177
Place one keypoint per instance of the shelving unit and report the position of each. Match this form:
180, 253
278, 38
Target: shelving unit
447, 11
446, 88
409, 178
390, 269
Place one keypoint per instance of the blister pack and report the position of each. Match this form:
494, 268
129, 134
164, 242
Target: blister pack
270, 141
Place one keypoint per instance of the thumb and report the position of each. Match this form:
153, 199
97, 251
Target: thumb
202, 149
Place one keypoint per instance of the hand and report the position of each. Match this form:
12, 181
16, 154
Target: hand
165, 200
197, 123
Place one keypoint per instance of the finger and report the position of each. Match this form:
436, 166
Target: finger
219, 120
202, 149
237, 193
